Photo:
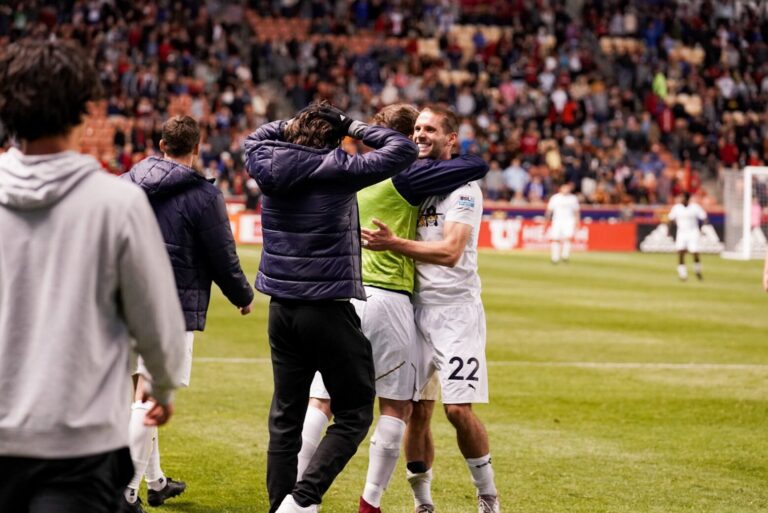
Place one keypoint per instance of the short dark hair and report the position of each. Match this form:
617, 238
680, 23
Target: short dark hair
450, 121
399, 116
307, 129
180, 134
45, 87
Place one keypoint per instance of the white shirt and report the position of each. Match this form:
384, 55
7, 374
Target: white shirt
687, 218
564, 208
441, 285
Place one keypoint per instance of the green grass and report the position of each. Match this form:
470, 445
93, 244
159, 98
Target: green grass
570, 430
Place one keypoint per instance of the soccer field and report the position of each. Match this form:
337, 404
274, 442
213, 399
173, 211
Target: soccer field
614, 388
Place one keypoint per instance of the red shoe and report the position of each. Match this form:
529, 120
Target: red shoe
367, 508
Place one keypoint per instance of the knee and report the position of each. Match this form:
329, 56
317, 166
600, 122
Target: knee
354, 422
324, 405
458, 414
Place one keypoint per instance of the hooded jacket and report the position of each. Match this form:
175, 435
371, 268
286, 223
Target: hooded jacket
195, 226
309, 212
82, 270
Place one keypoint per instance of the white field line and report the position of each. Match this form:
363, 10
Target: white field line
577, 365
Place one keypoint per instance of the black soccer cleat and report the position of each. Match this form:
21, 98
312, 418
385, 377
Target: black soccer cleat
131, 507
171, 489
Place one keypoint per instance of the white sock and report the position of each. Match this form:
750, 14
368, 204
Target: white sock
383, 454
482, 474
289, 506
155, 476
139, 441
697, 267
131, 494
682, 271
314, 425
555, 250
566, 250
421, 485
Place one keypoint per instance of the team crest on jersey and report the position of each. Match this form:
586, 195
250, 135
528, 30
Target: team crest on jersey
466, 202
428, 217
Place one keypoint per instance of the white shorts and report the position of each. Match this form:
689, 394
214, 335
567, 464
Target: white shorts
137, 363
562, 230
387, 321
454, 336
688, 241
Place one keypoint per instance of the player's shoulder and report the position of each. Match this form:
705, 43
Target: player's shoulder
111, 190
467, 196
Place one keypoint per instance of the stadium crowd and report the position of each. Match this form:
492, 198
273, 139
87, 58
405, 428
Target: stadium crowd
632, 101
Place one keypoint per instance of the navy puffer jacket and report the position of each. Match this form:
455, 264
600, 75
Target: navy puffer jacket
309, 211
193, 219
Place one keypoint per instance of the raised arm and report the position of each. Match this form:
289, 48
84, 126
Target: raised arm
428, 177
445, 252
272, 131
393, 152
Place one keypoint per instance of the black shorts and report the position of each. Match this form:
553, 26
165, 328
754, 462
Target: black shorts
92, 484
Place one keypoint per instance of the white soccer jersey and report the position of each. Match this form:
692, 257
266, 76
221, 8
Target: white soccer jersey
564, 208
687, 218
437, 284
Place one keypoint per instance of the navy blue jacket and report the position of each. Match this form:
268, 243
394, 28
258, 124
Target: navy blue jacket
193, 220
309, 212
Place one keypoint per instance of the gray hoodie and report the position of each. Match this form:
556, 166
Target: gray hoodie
83, 269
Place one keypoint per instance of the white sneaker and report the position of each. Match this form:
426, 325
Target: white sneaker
289, 506
488, 504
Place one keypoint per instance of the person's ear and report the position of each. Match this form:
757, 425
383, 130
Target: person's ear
162, 145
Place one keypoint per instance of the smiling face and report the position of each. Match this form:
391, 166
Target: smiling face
432, 137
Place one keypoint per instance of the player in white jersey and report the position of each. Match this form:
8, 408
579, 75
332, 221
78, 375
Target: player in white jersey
449, 317
563, 211
765, 273
687, 216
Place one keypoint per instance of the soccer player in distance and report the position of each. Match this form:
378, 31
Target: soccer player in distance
83, 270
563, 211
765, 273
195, 226
687, 216
449, 317
310, 266
387, 314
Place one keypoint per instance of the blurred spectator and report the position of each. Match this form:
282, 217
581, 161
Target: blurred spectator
493, 183
613, 79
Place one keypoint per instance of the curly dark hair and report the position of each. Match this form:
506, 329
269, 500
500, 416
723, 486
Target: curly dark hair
399, 116
307, 129
45, 87
180, 134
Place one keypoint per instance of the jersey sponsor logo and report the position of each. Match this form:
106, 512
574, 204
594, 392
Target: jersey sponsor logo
429, 217
466, 202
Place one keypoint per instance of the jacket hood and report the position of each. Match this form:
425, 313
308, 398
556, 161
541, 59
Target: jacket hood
29, 182
160, 177
281, 167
